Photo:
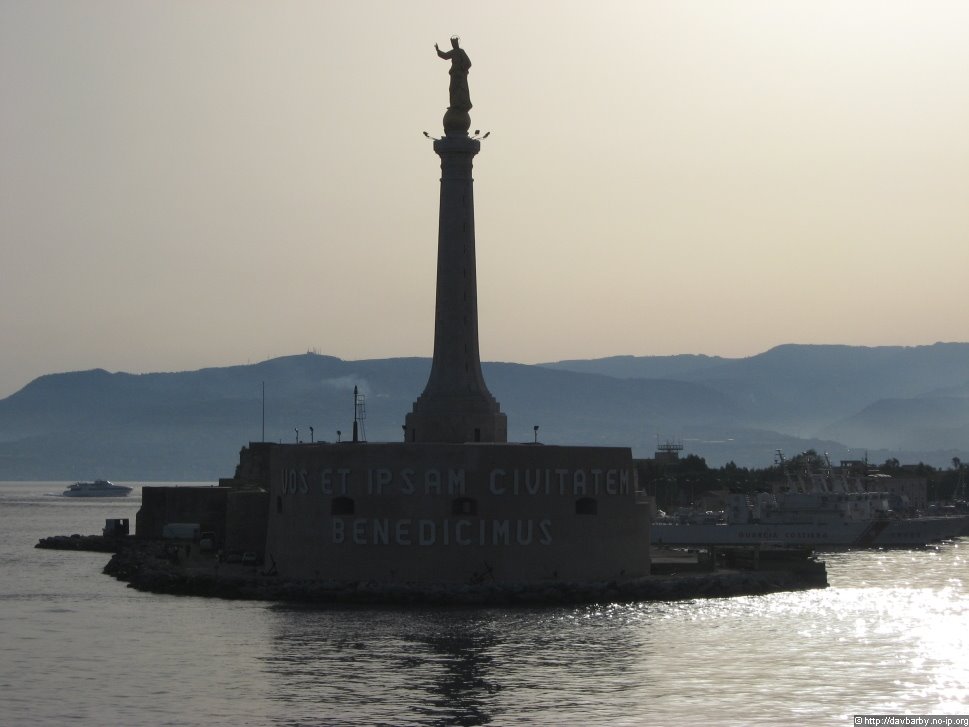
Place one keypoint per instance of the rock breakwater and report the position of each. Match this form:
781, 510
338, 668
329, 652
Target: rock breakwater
96, 543
156, 567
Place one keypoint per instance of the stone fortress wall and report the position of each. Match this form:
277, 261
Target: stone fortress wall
455, 513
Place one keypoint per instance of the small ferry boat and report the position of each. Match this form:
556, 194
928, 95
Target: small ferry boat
98, 488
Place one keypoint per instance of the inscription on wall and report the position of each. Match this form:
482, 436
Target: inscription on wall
411, 531
500, 482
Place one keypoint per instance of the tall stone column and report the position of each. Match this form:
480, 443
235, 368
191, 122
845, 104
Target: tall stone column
456, 405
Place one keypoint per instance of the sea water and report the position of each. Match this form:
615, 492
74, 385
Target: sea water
891, 635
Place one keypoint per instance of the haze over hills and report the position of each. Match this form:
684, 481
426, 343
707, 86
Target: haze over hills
906, 402
803, 389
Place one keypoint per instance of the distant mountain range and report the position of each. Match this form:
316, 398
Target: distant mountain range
906, 402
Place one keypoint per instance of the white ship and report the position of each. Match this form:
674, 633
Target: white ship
98, 488
817, 510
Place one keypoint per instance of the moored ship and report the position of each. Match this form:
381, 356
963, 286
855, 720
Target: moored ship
786, 528
814, 509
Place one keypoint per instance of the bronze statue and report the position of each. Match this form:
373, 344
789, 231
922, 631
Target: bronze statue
460, 96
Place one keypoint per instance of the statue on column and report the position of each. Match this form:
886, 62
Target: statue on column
457, 117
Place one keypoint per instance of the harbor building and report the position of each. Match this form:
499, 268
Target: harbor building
455, 502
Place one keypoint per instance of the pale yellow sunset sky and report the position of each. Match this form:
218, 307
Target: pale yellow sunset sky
190, 184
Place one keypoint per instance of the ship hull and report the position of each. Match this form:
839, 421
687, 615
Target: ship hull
911, 532
123, 493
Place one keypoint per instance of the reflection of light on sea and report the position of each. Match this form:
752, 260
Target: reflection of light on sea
864, 645
918, 625
814, 645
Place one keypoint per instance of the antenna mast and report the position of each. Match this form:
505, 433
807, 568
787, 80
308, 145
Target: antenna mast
359, 415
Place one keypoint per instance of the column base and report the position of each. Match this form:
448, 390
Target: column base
455, 428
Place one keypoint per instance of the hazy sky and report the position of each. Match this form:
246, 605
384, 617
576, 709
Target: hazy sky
190, 184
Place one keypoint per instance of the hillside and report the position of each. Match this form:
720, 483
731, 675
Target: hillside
909, 403
190, 425
802, 390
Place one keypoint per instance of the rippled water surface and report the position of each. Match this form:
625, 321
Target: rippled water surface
891, 635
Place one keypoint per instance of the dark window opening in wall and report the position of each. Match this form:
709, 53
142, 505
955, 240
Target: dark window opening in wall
586, 506
279, 504
342, 506
464, 506
477, 434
